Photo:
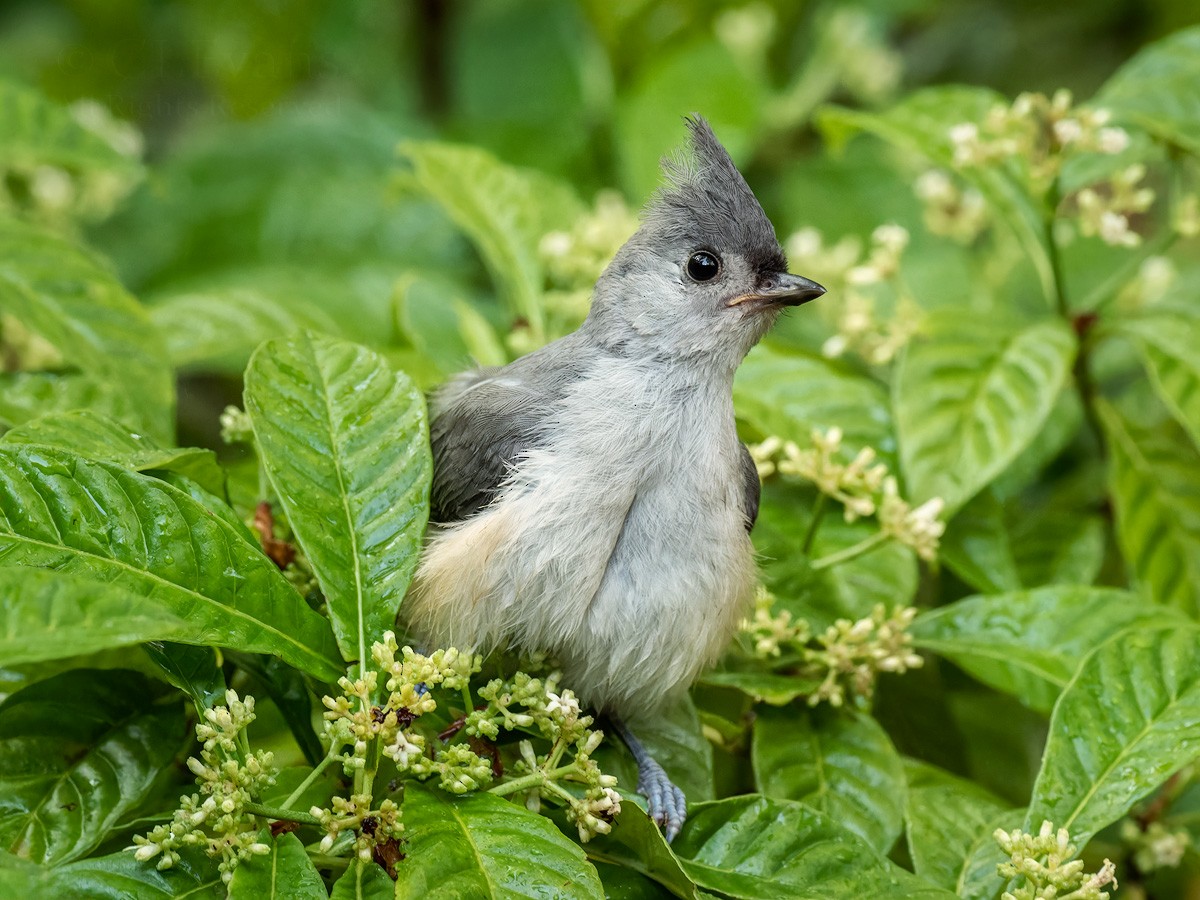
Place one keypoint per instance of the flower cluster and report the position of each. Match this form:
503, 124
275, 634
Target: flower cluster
951, 210
862, 485
867, 280
57, 192
845, 659
1046, 865
230, 778
1040, 132
531, 703
918, 528
1104, 210
851, 654
1157, 846
236, 427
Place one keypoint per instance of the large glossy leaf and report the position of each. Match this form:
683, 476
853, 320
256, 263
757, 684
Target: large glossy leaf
970, 396
1152, 479
944, 817
921, 123
754, 847
346, 444
787, 393
1129, 718
1029, 644
637, 845
72, 300
1159, 89
286, 873
196, 671
218, 329
482, 846
96, 520
841, 764
78, 752
118, 876
50, 615
1168, 341
503, 210
96, 437
363, 881
1058, 546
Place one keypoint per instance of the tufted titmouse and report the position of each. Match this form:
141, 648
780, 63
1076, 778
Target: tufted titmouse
592, 498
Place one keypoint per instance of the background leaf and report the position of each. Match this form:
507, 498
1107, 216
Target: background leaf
482, 846
753, 847
1167, 341
969, 398
842, 765
77, 753
346, 441
1128, 719
1157, 501
86, 519
1029, 644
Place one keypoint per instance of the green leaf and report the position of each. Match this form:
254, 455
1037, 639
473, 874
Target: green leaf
755, 847
96, 437
505, 211
482, 846
977, 877
1129, 718
921, 123
976, 546
842, 765
34, 131
767, 687
98, 521
48, 615
119, 876
637, 845
970, 396
787, 393
346, 443
364, 881
1058, 546
218, 329
72, 300
78, 752
1167, 341
194, 670
286, 873
944, 817
1152, 480
1159, 90
270, 677
1030, 643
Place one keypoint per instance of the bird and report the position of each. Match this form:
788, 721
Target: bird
592, 499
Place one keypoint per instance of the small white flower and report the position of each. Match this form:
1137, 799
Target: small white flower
1112, 140
1068, 131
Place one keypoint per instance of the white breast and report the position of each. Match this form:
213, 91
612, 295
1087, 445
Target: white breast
620, 547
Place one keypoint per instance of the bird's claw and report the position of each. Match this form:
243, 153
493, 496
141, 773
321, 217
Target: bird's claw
666, 802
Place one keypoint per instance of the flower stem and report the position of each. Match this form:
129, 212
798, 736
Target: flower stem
818, 513
864, 546
535, 779
1056, 266
312, 776
287, 815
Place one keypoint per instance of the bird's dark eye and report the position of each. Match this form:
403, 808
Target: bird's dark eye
703, 266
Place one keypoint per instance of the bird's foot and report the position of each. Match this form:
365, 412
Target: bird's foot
665, 802
667, 805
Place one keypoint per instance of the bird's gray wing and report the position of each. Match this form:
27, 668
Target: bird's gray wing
751, 488
482, 422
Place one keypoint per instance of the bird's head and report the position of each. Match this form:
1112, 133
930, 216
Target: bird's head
704, 277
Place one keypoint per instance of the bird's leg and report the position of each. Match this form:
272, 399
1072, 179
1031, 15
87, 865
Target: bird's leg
666, 802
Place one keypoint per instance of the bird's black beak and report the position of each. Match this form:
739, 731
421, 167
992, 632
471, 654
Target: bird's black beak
782, 289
